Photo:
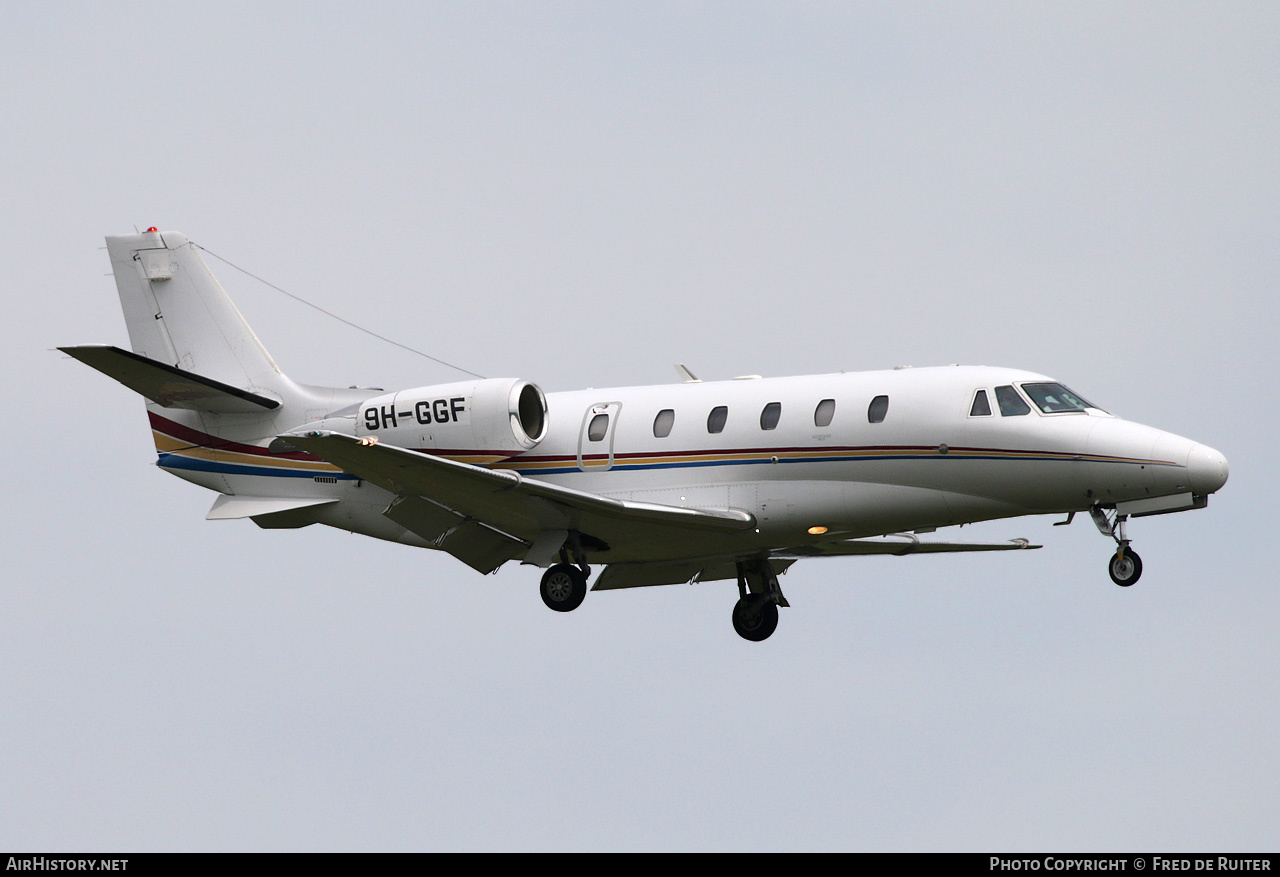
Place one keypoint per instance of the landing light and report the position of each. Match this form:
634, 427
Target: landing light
817, 531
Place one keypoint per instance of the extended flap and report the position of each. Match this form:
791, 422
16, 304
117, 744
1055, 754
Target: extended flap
482, 548
895, 544
644, 575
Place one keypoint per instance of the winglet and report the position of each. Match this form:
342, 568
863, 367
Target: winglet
685, 375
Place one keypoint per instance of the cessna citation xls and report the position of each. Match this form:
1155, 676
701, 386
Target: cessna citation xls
687, 482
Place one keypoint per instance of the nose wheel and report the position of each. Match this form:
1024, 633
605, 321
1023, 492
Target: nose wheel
1125, 566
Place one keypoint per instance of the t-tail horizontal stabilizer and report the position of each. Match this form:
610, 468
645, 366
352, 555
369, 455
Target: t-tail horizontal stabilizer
169, 386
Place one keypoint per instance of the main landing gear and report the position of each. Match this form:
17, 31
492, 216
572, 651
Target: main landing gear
1125, 566
755, 615
564, 586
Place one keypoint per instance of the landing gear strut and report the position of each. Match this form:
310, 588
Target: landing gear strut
755, 615
1125, 566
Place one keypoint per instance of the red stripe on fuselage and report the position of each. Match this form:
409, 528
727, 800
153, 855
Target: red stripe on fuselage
198, 439
203, 440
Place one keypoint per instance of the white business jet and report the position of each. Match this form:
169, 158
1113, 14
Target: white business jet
686, 482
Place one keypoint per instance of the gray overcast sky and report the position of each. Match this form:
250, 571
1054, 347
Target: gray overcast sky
583, 194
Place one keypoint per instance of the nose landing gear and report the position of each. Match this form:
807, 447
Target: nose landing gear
1125, 566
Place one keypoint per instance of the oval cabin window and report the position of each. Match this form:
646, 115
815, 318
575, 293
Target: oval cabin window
824, 412
770, 415
878, 408
663, 422
717, 419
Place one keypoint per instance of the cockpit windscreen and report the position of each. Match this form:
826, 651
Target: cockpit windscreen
1054, 398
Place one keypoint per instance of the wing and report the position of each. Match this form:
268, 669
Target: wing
643, 575
894, 543
485, 517
709, 569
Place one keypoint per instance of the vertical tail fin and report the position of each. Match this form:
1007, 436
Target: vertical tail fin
177, 313
215, 398
207, 379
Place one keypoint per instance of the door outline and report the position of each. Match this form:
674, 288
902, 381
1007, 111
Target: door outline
588, 462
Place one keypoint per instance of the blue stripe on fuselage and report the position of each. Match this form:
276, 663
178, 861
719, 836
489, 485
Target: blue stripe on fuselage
623, 467
178, 461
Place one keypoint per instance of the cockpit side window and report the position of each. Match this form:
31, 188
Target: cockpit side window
1054, 398
981, 407
1011, 404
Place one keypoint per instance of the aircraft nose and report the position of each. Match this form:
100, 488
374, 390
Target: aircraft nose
1207, 469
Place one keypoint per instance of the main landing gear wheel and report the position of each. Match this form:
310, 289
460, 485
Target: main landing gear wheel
564, 587
755, 617
1125, 568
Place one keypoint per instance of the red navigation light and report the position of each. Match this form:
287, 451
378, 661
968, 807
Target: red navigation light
153, 228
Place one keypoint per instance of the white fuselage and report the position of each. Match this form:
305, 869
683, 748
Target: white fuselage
929, 461
726, 480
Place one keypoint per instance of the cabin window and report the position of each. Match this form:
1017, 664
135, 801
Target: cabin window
1053, 398
663, 422
1011, 404
769, 416
824, 412
981, 406
598, 427
717, 419
878, 408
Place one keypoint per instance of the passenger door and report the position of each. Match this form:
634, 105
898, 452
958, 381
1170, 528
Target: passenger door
595, 439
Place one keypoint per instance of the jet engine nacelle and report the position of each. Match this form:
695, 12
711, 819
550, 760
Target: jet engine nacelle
496, 417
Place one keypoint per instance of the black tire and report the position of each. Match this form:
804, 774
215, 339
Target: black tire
755, 617
1126, 571
564, 587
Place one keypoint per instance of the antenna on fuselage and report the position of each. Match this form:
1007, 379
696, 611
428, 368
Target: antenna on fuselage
685, 375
